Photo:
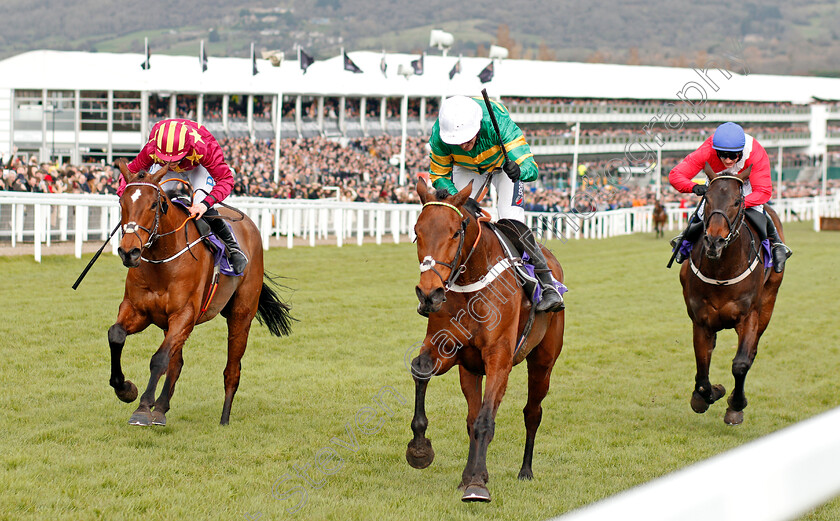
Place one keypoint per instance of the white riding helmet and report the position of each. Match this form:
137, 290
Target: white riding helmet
459, 119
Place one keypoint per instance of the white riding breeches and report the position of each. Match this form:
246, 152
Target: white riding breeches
200, 179
509, 195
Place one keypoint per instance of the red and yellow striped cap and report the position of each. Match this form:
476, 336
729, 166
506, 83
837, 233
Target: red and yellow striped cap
172, 140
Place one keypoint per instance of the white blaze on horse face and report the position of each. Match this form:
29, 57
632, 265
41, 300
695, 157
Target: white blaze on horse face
135, 195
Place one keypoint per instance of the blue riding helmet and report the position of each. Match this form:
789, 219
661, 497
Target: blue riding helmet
729, 137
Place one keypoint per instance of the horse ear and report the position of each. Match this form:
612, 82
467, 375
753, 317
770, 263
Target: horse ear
744, 174
461, 197
127, 175
422, 190
709, 172
157, 176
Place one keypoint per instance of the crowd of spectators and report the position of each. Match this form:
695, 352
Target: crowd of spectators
367, 169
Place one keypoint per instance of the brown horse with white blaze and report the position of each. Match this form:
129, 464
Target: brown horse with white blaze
170, 284
476, 317
726, 287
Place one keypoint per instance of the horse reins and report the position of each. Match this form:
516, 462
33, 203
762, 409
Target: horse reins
455, 268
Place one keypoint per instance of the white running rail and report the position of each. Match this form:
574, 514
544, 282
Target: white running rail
41, 219
776, 478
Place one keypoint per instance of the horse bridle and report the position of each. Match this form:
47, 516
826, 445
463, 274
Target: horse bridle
455, 267
132, 227
739, 217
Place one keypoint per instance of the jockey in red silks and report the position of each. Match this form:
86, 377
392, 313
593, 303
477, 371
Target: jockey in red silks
728, 152
191, 151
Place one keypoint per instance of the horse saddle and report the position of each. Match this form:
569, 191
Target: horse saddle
213, 243
524, 272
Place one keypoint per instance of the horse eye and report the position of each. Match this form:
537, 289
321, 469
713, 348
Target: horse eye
455, 236
154, 205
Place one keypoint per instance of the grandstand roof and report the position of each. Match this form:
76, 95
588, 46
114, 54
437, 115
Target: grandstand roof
109, 71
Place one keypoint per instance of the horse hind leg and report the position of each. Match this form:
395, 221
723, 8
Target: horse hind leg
540, 364
237, 342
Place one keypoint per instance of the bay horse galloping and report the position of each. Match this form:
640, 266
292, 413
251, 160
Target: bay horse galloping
476, 317
660, 219
726, 287
170, 283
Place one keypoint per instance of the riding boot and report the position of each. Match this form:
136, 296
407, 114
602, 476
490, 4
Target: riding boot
779, 249
237, 258
690, 234
763, 224
550, 298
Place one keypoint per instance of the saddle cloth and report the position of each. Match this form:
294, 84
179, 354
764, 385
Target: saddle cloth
213, 243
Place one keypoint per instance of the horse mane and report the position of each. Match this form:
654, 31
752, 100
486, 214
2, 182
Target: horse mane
471, 205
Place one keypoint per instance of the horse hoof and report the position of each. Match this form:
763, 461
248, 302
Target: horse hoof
718, 392
733, 417
142, 418
476, 493
420, 454
128, 393
526, 474
158, 418
698, 403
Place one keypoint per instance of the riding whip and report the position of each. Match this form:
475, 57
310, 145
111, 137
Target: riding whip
498, 136
90, 264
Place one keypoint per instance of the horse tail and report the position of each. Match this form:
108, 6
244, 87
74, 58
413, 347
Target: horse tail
273, 312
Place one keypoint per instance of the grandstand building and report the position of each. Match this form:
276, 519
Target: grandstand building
90, 107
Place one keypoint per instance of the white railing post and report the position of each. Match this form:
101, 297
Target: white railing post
265, 227
114, 214
339, 227
78, 237
380, 225
290, 227
38, 231
412, 218
395, 225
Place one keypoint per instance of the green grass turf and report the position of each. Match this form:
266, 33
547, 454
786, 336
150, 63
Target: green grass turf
617, 414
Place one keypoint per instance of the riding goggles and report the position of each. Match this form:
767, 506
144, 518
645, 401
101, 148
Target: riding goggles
724, 154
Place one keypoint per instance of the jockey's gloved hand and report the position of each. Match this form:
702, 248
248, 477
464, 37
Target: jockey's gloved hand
512, 170
699, 189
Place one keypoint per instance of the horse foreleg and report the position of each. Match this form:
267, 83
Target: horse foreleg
179, 328
748, 334
497, 368
705, 393
471, 387
173, 371
428, 363
128, 322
